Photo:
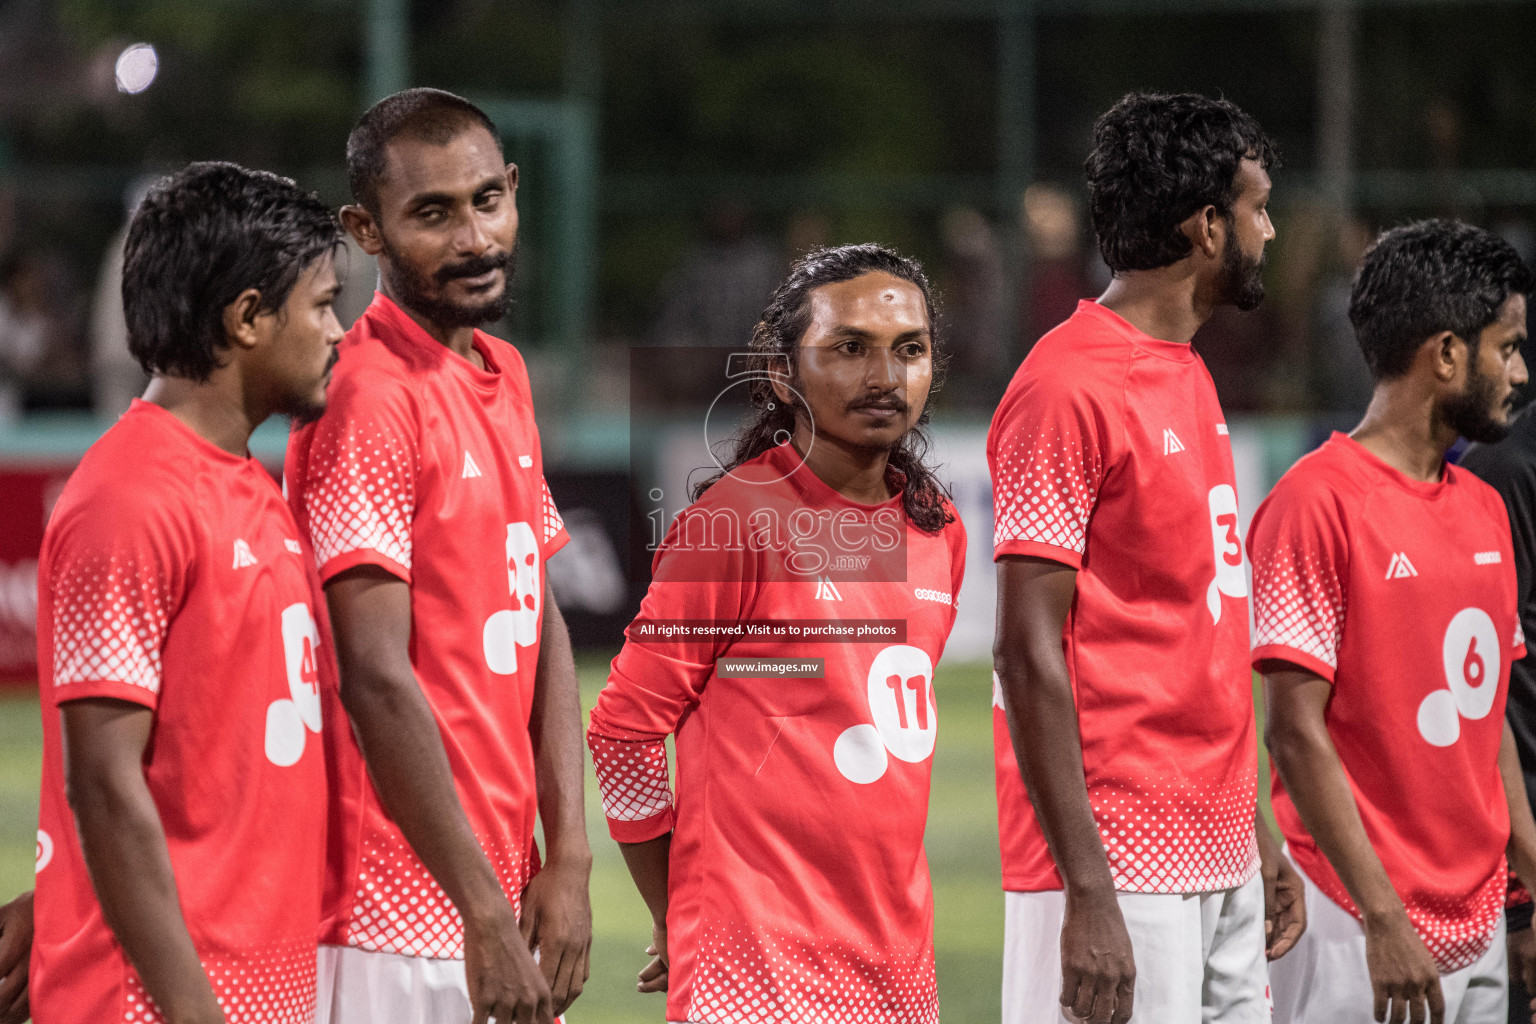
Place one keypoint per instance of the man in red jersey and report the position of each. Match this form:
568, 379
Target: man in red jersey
182, 639
422, 489
787, 880
1384, 596
1126, 796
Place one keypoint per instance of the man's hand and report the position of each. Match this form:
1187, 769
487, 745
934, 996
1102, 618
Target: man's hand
504, 982
1285, 905
1522, 962
653, 976
15, 953
1403, 976
1098, 969
557, 921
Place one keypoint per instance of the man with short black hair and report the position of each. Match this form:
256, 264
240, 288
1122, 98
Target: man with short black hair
1386, 621
423, 490
1126, 795
182, 638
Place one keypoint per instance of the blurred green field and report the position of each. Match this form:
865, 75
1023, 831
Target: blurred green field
962, 849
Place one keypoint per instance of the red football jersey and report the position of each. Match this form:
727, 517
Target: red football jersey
1109, 453
173, 576
1400, 593
799, 887
429, 467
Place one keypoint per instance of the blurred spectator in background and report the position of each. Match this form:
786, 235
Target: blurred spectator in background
116, 376
1058, 266
715, 295
1341, 381
39, 358
980, 356
807, 230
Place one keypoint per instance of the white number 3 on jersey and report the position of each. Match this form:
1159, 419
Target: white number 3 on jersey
1227, 548
507, 630
288, 719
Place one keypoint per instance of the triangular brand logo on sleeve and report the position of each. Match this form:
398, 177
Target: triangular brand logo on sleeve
1171, 442
470, 469
243, 556
1400, 567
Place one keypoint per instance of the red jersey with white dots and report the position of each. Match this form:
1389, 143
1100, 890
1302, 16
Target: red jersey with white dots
799, 887
430, 468
1109, 454
173, 576
1401, 593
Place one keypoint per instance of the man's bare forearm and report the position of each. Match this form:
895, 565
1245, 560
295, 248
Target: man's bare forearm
648, 864
1522, 827
554, 725
1309, 765
123, 842
401, 742
1043, 727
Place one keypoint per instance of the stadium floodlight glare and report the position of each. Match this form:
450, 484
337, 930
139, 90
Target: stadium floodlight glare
136, 68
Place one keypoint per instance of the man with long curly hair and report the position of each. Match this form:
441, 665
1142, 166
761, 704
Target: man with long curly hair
786, 879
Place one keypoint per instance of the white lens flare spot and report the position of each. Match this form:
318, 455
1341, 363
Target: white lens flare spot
136, 68
859, 754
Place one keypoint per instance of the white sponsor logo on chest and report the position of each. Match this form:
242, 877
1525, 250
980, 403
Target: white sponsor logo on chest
940, 596
1487, 558
470, 468
1171, 442
1400, 568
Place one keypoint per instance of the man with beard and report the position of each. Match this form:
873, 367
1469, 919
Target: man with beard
1386, 619
182, 636
1126, 797
422, 488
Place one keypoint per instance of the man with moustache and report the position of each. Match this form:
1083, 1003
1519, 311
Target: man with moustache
422, 489
1386, 620
1124, 717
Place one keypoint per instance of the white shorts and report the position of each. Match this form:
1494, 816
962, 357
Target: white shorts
1199, 956
356, 986
1324, 980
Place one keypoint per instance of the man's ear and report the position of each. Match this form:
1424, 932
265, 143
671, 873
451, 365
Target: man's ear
512, 177
360, 224
1450, 355
240, 319
1206, 231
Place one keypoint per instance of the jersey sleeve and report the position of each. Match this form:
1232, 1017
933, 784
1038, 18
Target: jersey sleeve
1048, 452
358, 489
553, 536
655, 681
116, 576
1299, 550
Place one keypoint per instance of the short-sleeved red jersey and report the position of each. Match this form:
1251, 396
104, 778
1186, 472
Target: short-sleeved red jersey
430, 468
799, 887
173, 576
1401, 593
1109, 453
